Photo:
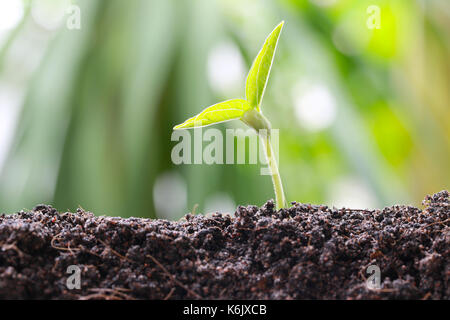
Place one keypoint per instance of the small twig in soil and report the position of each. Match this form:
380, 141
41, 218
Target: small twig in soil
170, 294
386, 290
115, 292
12, 246
107, 294
115, 252
158, 264
173, 278
358, 210
100, 296
425, 297
68, 248
437, 222
222, 292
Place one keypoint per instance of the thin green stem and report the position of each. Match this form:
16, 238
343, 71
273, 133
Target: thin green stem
257, 121
275, 173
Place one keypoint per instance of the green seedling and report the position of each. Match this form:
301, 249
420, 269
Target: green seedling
248, 110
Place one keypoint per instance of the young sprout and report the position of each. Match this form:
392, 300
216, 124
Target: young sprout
248, 110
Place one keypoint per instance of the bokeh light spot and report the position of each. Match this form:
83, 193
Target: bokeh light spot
49, 14
225, 68
11, 12
315, 106
220, 202
170, 195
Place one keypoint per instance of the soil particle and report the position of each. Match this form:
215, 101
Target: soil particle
304, 252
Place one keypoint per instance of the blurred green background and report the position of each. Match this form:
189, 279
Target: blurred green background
86, 115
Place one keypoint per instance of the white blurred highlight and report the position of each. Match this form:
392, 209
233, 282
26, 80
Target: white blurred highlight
170, 195
226, 70
49, 14
220, 202
315, 106
11, 12
351, 192
10, 104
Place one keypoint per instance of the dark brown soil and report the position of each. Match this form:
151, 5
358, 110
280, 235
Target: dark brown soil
305, 252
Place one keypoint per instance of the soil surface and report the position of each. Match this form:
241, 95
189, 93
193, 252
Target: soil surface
304, 252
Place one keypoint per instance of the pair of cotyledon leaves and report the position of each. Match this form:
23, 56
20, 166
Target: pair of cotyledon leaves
254, 89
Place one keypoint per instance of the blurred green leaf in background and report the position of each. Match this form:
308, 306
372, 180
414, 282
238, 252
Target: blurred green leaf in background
86, 115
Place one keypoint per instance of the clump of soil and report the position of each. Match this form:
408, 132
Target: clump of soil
304, 252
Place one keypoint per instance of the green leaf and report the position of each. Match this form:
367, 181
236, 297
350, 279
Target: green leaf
259, 72
220, 112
